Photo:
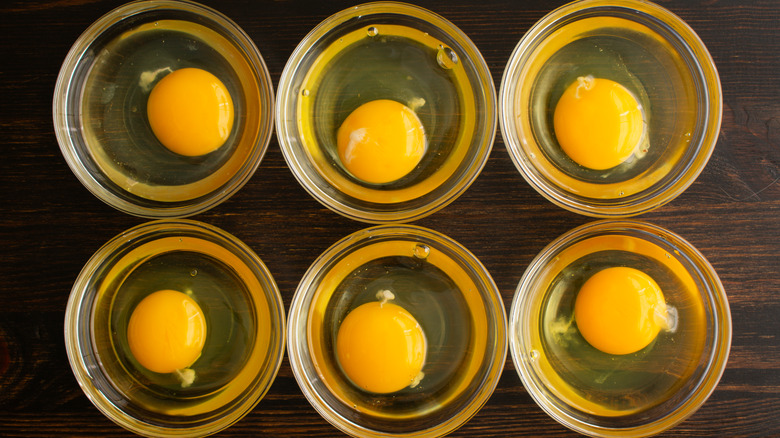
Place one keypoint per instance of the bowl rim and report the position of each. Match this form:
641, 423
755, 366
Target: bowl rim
287, 95
721, 328
299, 311
705, 74
78, 324
64, 92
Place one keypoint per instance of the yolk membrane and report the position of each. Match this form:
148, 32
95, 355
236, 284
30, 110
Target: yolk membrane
620, 310
166, 331
191, 112
381, 141
381, 347
598, 123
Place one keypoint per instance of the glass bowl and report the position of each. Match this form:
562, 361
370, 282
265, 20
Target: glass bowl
100, 116
444, 288
635, 394
244, 318
392, 51
658, 59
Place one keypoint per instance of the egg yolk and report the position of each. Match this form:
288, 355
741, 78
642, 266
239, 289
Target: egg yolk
381, 347
190, 112
598, 123
620, 310
381, 141
166, 331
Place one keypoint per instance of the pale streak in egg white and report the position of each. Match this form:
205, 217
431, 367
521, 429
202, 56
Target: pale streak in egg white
150, 77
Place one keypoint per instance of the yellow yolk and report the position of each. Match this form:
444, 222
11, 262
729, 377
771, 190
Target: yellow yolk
167, 331
381, 347
620, 310
598, 123
190, 112
381, 141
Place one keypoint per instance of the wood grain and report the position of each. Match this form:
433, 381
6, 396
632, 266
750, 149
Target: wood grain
50, 225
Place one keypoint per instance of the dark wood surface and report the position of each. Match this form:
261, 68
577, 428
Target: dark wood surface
50, 225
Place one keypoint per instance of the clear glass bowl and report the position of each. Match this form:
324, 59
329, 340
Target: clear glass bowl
99, 108
653, 54
393, 51
448, 292
244, 317
636, 394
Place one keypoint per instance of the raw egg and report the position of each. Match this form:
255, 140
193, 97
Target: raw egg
620, 310
381, 141
381, 347
598, 123
166, 331
190, 111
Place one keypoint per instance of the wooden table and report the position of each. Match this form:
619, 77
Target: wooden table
50, 224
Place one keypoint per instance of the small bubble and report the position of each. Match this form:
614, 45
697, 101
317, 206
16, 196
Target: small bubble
305, 92
668, 256
447, 58
421, 251
372, 31
193, 273
621, 193
533, 355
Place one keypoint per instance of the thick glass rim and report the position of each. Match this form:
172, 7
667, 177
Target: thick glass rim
297, 342
708, 95
78, 334
297, 160
68, 92
719, 328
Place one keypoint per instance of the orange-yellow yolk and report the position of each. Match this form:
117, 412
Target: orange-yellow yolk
598, 123
190, 112
620, 310
381, 141
167, 331
381, 347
